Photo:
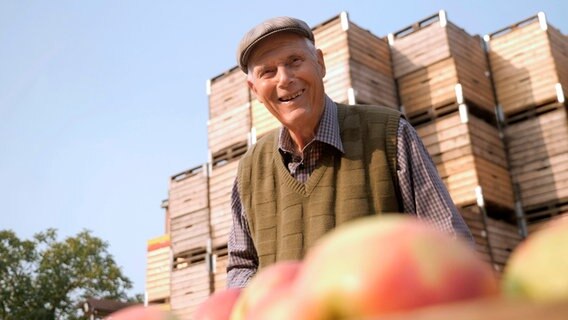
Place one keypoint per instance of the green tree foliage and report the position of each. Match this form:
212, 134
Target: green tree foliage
46, 279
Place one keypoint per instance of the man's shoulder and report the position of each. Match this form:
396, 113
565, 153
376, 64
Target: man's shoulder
369, 109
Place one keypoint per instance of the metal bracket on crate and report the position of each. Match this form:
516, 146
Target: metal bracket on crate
208, 87
350, 96
459, 93
463, 114
251, 137
542, 21
559, 93
344, 20
443, 18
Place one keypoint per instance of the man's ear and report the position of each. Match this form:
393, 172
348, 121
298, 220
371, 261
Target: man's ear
321, 62
253, 89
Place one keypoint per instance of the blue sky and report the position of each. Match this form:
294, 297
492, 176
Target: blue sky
102, 101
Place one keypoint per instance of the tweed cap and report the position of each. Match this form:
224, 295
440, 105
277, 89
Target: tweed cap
266, 29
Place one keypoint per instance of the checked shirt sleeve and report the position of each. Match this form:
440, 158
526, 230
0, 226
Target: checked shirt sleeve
422, 190
243, 261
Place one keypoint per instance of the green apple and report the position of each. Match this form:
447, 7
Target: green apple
538, 268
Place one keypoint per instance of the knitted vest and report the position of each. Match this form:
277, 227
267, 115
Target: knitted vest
286, 217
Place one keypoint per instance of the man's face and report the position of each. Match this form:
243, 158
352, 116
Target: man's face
286, 74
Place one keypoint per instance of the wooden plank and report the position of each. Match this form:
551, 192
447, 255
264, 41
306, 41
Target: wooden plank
430, 87
189, 231
228, 90
419, 49
371, 86
222, 180
229, 128
187, 192
262, 120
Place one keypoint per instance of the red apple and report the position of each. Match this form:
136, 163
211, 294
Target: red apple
385, 264
139, 312
218, 306
276, 277
538, 268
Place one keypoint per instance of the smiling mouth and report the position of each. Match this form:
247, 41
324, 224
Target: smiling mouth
292, 97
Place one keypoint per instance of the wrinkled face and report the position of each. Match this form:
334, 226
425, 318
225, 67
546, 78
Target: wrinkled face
286, 74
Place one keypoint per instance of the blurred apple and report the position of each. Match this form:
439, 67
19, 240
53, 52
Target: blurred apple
140, 312
385, 264
260, 289
538, 268
277, 305
218, 306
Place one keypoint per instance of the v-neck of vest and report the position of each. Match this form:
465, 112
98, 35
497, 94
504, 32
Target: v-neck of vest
305, 189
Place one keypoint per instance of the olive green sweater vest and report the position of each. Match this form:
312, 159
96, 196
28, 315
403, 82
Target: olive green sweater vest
286, 217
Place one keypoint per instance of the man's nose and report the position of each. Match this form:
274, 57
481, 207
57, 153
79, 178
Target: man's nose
286, 76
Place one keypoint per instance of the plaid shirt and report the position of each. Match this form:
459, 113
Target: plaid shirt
423, 192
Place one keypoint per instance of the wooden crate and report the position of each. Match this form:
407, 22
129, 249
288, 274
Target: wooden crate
442, 84
528, 60
222, 180
158, 266
227, 91
494, 239
469, 154
538, 148
262, 120
540, 219
191, 283
434, 39
357, 62
221, 258
188, 192
230, 128
190, 231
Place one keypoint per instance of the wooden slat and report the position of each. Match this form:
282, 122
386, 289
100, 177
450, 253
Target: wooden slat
228, 91
190, 231
222, 179
419, 49
262, 120
220, 272
539, 156
158, 273
229, 128
430, 87
187, 192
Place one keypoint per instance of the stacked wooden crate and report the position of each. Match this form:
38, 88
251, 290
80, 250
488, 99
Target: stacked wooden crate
358, 63
494, 239
446, 94
438, 66
529, 63
188, 207
232, 119
468, 153
221, 260
221, 185
158, 265
229, 111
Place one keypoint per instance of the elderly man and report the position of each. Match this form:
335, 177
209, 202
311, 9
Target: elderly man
328, 164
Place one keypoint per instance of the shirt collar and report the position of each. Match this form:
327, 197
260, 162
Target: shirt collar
328, 130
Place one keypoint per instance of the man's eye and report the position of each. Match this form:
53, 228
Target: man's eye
266, 73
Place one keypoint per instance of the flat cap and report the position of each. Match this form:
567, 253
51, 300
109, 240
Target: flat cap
266, 29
